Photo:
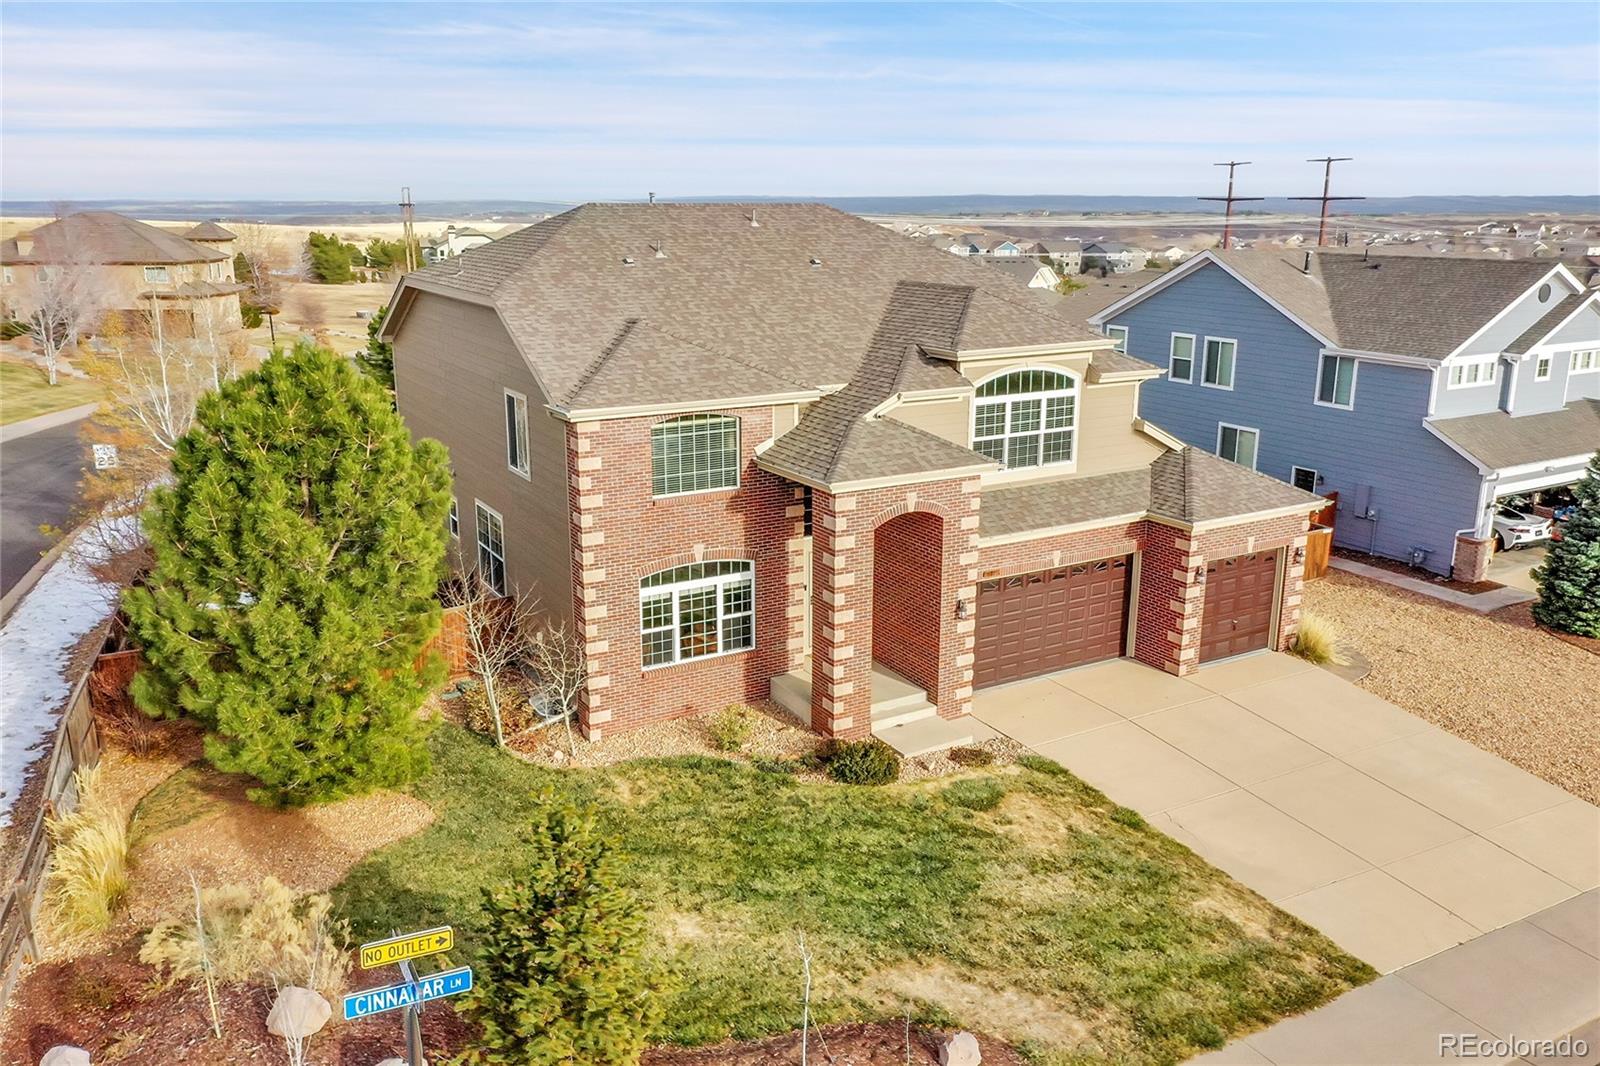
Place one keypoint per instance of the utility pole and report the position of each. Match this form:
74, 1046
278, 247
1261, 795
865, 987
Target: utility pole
408, 233
1230, 200
1327, 162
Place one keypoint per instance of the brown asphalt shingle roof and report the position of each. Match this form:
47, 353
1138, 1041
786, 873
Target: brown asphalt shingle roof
209, 231
800, 293
1186, 486
1498, 440
107, 237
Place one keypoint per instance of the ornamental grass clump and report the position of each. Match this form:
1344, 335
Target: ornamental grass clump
88, 858
1318, 642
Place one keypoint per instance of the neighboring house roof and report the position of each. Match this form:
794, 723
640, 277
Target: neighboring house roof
209, 231
104, 237
191, 289
1548, 323
1185, 485
1499, 440
1419, 305
801, 296
1023, 270
1054, 246
1099, 293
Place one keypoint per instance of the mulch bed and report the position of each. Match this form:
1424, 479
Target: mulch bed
852, 1044
110, 1006
1395, 566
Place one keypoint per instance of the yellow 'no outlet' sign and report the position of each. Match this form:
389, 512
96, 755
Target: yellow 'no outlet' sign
410, 946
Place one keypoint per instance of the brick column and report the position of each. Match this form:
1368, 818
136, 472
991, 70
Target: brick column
841, 609
1170, 600
961, 529
1294, 583
796, 575
589, 610
1473, 555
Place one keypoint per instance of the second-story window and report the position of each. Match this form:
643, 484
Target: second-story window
1180, 364
1585, 361
156, 275
517, 432
1120, 335
1218, 372
1026, 418
694, 453
1336, 381
1541, 368
1478, 372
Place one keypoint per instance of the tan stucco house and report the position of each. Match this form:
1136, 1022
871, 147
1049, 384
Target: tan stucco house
127, 265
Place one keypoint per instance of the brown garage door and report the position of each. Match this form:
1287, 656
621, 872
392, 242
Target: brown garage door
1238, 605
1049, 620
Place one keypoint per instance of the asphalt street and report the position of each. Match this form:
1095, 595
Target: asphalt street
38, 485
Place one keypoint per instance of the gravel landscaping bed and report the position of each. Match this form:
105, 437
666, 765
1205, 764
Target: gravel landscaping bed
1495, 680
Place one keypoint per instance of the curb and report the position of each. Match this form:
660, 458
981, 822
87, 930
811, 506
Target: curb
24, 585
40, 423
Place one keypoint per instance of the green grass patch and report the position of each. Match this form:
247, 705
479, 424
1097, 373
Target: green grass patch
26, 392
1014, 902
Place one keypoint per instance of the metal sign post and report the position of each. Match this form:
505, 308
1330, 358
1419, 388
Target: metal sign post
413, 991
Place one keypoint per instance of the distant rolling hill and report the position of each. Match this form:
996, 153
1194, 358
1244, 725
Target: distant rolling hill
292, 212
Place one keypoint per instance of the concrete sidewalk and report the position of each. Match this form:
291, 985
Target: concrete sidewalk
1534, 980
29, 426
1482, 602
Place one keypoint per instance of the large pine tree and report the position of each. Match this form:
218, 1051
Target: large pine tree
297, 554
1569, 577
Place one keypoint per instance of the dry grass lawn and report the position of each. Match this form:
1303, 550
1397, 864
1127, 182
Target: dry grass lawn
1495, 680
25, 392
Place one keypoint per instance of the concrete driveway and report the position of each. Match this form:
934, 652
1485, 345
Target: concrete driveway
1515, 568
1393, 837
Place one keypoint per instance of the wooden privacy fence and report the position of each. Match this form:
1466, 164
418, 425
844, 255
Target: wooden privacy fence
1319, 542
75, 746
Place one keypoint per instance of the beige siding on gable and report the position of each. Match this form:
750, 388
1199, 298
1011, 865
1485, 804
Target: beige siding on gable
452, 363
1107, 441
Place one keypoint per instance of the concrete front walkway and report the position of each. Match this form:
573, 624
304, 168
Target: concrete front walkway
1393, 837
1534, 980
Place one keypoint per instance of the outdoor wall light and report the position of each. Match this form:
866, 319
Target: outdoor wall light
1299, 555
961, 608
1199, 575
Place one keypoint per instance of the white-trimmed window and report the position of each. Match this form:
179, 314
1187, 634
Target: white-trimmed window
694, 453
517, 432
1541, 368
455, 518
1026, 418
1468, 375
1238, 444
1120, 335
156, 275
1585, 362
1336, 381
697, 610
1220, 355
491, 547
1180, 357
1304, 478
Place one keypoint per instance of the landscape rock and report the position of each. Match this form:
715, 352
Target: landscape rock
298, 1013
961, 1049
65, 1055
392, 1061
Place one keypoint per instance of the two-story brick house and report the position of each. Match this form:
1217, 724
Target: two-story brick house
776, 450
1421, 389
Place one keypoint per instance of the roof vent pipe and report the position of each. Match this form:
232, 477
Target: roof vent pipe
627, 260
661, 249
752, 216
652, 197
1307, 267
815, 261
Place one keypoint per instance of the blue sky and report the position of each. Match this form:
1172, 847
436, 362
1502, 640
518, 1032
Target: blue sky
571, 102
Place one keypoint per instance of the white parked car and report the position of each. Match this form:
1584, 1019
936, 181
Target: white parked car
1516, 529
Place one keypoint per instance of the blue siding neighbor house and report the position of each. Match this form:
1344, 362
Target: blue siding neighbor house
1421, 389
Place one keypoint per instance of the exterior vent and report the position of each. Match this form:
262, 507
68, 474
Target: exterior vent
628, 260
661, 249
815, 261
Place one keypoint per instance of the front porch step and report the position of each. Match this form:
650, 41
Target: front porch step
926, 735
895, 700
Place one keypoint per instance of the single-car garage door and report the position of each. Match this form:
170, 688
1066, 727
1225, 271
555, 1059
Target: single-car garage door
1237, 615
1049, 620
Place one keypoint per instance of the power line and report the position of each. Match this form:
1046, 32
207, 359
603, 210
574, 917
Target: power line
1327, 162
1230, 200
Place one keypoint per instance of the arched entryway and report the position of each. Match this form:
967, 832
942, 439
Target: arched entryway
908, 597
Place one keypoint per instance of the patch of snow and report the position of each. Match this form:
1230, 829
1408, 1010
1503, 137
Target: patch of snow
36, 646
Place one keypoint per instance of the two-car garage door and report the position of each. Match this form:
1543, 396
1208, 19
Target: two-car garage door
1049, 620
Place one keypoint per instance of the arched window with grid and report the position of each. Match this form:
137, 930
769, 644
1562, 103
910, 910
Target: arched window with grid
1025, 418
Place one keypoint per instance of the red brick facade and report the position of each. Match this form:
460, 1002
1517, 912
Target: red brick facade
893, 577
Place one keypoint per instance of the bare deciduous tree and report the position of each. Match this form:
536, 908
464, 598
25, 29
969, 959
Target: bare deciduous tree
66, 302
497, 634
555, 654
